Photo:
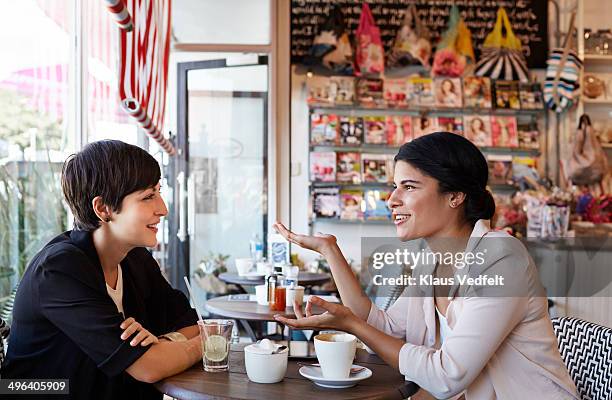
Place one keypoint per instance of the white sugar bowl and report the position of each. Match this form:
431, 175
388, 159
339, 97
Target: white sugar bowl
262, 366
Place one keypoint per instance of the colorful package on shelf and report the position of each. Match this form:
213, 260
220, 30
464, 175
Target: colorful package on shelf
508, 215
323, 129
351, 204
533, 207
369, 54
376, 168
555, 221
528, 136
423, 126
448, 92
422, 88
320, 91
376, 204
351, 131
395, 92
342, 90
503, 131
478, 129
370, 92
323, 166
596, 209
375, 130
506, 95
451, 124
525, 173
531, 96
348, 168
326, 202
398, 129
500, 169
477, 92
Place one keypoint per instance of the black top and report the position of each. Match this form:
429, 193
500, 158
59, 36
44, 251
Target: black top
65, 325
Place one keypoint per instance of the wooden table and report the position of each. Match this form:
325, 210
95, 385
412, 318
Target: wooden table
245, 311
305, 279
194, 383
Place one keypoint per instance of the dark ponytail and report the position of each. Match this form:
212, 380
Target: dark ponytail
457, 165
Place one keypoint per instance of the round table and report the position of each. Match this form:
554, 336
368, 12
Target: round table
304, 279
245, 311
194, 383
248, 310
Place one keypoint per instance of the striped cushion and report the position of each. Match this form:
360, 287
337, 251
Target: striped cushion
586, 349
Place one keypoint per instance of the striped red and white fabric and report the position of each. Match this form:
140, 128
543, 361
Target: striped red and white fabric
143, 66
120, 14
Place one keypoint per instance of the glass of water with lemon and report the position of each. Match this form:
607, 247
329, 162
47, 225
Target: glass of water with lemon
216, 336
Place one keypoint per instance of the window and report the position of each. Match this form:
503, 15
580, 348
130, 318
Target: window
36, 127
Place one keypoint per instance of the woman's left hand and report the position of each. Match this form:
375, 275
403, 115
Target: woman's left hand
144, 337
336, 316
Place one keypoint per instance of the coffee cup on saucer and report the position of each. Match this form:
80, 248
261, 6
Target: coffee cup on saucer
335, 352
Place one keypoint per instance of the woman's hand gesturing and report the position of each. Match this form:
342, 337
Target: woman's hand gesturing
319, 243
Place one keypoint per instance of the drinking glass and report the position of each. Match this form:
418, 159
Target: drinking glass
216, 336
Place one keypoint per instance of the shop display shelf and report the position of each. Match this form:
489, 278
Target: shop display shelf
353, 185
351, 221
357, 110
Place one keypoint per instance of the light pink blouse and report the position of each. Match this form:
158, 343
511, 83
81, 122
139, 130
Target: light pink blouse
499, 347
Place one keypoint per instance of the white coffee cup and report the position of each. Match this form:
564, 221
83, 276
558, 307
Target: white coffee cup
261, 294
294, 293
263, 367
335, 352
243, 265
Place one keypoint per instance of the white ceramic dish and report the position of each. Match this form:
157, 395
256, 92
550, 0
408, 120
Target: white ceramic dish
316, 375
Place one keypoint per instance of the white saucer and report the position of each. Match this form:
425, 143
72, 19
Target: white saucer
316, 375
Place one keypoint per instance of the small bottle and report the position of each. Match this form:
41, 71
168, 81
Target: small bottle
256, 248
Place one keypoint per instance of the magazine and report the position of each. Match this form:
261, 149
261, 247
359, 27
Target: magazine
376, 168
348, 167
351, 203
506, 95
451, 124
398, 130
326, 202
375, 130
448, 92
477, 129
376, 204
351, 130
531, 96
503, 131
500, 169
323, 129
528, 136
342, 90
323, 166
395, 92
423, 126
422, 89
477, 92
524, 167
370, 92
319, 91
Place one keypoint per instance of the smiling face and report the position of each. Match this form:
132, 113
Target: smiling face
136, 224
419, 209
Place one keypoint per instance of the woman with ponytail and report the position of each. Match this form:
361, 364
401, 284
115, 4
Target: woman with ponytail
487, 339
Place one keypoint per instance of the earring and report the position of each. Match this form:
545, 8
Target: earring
107, 219
453, 205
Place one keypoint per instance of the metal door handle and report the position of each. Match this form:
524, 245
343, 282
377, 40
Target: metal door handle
182, 193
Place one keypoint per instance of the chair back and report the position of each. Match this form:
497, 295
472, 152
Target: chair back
586, 349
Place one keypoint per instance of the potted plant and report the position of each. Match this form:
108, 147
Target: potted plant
207, 273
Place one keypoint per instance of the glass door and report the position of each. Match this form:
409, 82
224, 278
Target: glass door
219, 177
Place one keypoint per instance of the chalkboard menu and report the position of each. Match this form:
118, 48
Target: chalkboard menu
528, 17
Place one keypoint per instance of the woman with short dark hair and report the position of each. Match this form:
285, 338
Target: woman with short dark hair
480, 341
92, 302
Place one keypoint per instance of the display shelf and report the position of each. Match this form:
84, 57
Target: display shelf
368, 185
357, 110
598, 57
596, 101
383, 149
351, 221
